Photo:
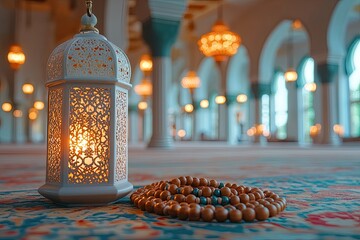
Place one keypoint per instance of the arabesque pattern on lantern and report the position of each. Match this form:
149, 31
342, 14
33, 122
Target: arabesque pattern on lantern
121, 135
55, 63
54, 134
89, 126
93, 58
90, 57
123, 68
220, 42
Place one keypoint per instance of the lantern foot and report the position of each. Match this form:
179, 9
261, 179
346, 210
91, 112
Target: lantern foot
73, 195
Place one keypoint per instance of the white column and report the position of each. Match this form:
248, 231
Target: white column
328, 114
257, 116
292, 122
160, 124
300, 115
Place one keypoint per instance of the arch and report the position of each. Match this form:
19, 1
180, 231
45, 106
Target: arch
273, 43
336, 33
268, 53
210, 76
349, 63
238, 73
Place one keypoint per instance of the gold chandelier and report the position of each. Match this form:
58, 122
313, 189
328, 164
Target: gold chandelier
220, 43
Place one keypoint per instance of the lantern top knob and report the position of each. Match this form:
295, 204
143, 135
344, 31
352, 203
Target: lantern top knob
88, 23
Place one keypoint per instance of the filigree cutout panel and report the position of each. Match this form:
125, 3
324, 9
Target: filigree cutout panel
56, 62
89, 57
89, 127
121, 135
54, 135
123, 66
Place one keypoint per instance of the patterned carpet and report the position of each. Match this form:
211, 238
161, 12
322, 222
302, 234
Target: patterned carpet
322, 187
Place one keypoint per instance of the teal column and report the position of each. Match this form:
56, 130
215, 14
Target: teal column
160, 35
327, 73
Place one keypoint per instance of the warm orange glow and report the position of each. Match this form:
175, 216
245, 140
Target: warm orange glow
144, 88
310, 87
257, 130
204, 103
191, 80
242, 98
220, 43
39, 105
16, 57
296, 24
33, 114
142, 105
28, 88
6, 107
17, 113
315, 130
181, 133
338, 129
251, 132
220, 99
146, 63
291, 75
189, 108
83, 145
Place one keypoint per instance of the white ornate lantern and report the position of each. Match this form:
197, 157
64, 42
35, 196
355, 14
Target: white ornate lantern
87, 148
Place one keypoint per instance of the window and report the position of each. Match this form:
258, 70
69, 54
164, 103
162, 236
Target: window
354, 85
308, 97
281, 105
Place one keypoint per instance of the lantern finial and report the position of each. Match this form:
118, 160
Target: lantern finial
89, 20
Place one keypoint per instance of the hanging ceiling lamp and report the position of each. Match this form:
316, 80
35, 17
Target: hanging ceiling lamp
146, 64
16, 56
290, 74
190, 81
144, 88
220, 43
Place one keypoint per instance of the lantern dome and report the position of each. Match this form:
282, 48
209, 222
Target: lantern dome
88, 55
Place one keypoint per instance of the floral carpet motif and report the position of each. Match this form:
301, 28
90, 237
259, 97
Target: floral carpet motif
323, 201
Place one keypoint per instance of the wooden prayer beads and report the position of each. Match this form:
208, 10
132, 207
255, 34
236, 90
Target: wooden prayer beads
195, 199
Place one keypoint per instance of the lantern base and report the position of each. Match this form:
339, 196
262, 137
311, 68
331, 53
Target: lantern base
73, 195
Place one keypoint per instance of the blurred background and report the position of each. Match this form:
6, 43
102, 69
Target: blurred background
241, 72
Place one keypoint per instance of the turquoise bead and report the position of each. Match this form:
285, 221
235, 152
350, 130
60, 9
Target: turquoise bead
195, 192
214, 200
224, 200
217, 192
203, 200
221, 185
178, 190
